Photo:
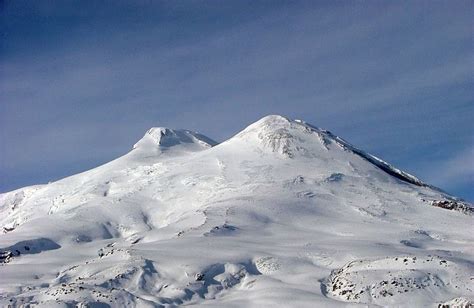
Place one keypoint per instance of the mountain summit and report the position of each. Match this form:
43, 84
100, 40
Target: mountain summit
298, 138
282, 213
161, 138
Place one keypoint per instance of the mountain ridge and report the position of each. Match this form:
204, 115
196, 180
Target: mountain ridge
281, 213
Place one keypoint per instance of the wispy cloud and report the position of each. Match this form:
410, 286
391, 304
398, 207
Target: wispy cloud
393, 78
454, 171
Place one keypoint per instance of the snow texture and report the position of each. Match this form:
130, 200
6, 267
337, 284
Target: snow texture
283, 213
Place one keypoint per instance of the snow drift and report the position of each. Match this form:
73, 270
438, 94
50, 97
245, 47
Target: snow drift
283, 213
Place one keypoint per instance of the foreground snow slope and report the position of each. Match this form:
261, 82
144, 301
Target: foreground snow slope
282, 213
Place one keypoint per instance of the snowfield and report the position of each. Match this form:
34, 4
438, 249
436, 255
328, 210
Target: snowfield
282, 214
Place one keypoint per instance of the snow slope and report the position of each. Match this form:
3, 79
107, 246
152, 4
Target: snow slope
283, 213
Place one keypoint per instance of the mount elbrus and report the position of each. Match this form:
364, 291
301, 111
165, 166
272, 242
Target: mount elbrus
283, 213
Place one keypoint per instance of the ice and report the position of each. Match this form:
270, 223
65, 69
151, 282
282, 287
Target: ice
282, 214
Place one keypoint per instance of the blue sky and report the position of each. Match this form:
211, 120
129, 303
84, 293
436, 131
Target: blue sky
81, 81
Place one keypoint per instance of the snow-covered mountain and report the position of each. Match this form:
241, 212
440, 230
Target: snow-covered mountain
283, 213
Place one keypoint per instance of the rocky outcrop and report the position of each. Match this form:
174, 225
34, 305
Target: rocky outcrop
452, 205
6, 256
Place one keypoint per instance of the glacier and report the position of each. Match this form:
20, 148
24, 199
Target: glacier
283, 213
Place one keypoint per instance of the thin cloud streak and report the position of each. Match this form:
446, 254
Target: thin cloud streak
359, 70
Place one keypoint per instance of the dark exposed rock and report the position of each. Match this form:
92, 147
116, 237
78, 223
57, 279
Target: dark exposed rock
6, 256
460, 206
7, 229
199, 277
